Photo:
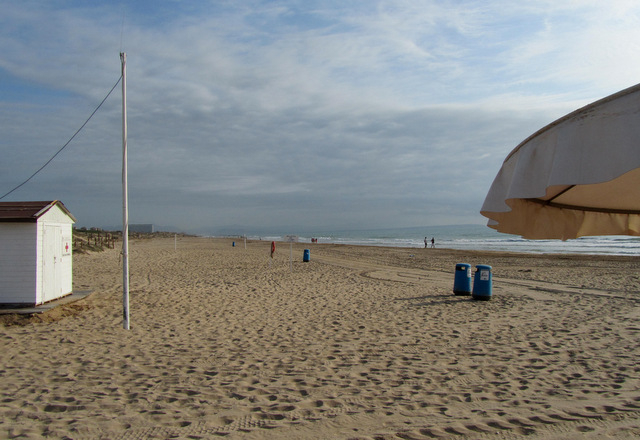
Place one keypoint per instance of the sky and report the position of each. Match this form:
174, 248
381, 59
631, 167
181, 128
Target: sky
293, 114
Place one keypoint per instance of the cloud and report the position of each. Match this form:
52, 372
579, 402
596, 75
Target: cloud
396, 113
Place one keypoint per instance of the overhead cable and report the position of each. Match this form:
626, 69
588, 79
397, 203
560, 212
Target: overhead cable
68, 142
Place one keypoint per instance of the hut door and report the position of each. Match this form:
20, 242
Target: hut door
52, 263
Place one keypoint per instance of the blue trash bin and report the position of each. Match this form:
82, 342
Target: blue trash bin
482, 283
233, 244
462, 280
306, 256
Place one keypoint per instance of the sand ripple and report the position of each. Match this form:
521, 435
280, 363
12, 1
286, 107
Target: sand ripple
359, 343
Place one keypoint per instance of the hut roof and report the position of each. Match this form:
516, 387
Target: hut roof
28, 211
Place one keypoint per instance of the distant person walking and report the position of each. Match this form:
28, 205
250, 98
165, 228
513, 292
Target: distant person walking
425, 242
433, 242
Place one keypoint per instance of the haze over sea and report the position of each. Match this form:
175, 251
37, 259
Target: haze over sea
466, 237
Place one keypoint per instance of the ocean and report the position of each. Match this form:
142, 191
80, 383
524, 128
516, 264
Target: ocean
469, 237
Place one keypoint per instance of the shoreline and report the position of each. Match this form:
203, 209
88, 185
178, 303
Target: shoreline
491, 246
360, 343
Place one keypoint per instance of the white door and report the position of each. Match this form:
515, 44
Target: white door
52, 263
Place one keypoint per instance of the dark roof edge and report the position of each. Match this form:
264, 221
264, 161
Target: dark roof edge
32, 211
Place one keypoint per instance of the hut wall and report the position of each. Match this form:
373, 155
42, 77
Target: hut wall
55, 270
18, 263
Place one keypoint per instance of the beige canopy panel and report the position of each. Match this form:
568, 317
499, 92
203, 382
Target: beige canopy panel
578, 176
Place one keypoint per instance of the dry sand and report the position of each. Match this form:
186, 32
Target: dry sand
358, 343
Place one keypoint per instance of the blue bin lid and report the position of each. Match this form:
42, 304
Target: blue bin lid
462, 265
483, 267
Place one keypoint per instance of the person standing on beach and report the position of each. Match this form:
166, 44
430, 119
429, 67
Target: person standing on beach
425, 242
433, 242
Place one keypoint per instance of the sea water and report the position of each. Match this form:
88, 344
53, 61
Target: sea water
471, 237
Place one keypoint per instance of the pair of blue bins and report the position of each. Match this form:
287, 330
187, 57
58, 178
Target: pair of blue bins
481, 281
306, 256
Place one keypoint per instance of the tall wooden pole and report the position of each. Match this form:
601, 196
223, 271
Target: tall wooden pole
125, 200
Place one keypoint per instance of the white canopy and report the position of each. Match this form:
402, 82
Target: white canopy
580, 175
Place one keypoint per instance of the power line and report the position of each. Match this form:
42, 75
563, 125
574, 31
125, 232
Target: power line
68, 142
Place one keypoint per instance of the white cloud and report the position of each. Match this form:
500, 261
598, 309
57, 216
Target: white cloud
370, 112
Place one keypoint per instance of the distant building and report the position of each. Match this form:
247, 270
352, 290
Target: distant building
142, 227
36, 257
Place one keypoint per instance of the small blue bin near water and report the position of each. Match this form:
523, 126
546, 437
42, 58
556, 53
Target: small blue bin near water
482, 283
233, 244
306, 256
462, 280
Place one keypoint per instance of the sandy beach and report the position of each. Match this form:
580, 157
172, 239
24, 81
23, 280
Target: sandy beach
358, 343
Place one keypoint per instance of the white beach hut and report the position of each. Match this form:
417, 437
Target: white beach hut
35, 252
